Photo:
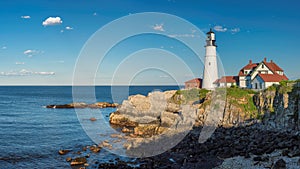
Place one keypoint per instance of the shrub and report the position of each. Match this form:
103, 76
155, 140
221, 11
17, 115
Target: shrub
285, 86
191, 95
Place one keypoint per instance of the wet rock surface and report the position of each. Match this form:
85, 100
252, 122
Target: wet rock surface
280, 164
63, 152
98, 105
78, 161
250, 142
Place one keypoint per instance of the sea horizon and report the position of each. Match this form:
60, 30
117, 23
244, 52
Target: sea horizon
32, 135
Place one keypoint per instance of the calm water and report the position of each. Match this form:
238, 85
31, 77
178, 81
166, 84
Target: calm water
31, 135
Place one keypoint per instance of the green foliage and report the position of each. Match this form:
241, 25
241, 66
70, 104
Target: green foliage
285, 86
191, 95
259, 116
239, 93
242, 98
234, 86
206, 103
274, 87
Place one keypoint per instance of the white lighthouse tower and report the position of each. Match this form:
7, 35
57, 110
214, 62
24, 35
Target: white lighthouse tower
210, 74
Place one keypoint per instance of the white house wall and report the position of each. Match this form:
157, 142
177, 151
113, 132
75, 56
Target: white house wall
260, 68
242, 80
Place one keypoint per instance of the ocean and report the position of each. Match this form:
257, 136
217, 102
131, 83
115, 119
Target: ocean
31, 135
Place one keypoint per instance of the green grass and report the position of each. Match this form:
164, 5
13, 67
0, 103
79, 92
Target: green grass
242, 98
274, 87
286, 86
190, 95
238, 93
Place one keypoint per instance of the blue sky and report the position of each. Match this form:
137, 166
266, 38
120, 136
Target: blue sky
37, 51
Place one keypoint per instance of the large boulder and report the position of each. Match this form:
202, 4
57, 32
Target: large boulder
118, 119
280, 164
169, 119
139, 102
78, 161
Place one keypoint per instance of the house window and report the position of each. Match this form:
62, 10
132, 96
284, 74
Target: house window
262, 66
255, 85
246, 72
260, 85
209, 63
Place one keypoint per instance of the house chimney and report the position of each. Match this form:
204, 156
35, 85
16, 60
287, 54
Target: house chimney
271, 61
265, 59
250, 61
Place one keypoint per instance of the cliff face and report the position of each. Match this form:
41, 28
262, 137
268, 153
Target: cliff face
280, 106
172, 114
226, 108
235, 107
276, 108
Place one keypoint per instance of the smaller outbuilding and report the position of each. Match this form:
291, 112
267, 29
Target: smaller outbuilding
194, 83
227, 81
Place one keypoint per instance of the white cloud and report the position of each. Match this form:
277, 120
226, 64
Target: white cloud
220, 28
31, 52
25, 17
235, 30
183, 36
25, 72
20, 63
52, 21
4, 47
95, 14
159, 27
69, 28
44, 73
28, 52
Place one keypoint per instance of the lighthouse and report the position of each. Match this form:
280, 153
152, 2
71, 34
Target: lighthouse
210, 74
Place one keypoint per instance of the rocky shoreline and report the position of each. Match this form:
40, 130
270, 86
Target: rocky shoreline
263, 148
98, 105
162, 130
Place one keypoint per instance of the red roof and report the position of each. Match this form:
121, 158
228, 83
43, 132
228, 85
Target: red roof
196, 80
250, 66
228, 79
272, 66
272, 77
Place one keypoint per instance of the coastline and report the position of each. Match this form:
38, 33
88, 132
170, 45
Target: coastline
259, 143
222, 147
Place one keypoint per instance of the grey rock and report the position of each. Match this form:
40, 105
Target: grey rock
280, 164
